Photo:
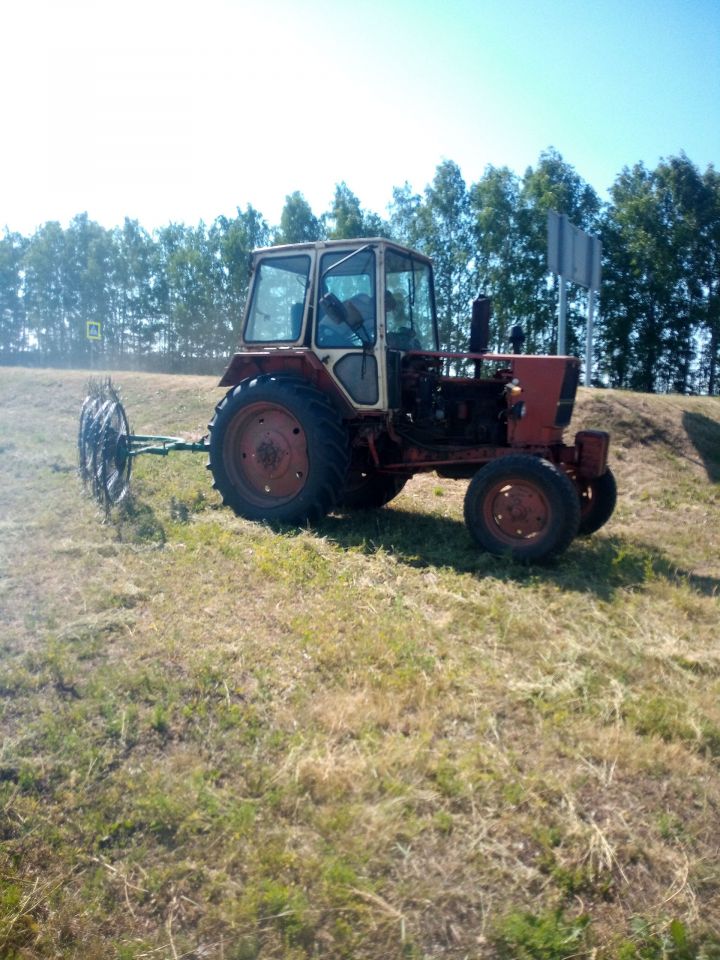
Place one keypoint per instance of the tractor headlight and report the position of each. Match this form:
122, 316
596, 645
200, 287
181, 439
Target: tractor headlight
516, 406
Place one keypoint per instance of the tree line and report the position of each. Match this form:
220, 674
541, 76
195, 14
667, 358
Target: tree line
172, 299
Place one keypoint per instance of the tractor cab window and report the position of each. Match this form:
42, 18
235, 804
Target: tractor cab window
346, 308
410, 322
278, 300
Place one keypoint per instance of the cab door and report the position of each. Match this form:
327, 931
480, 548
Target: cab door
345, 334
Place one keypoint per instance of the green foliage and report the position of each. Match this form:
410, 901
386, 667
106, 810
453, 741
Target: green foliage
442, 230
175, 298
662, 716
660, 318
298, 224
668, 942
347, 219
13, 336
176, 295
547, 936
509, 232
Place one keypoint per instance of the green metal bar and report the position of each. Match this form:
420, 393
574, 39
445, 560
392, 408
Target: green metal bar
162, 446
153, 438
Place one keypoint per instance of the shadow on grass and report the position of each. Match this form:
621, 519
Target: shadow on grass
599, 565
136, 522
704, 434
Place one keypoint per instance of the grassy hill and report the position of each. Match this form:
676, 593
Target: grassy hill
361, 740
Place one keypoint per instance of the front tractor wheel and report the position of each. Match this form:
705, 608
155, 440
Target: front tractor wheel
278, 450
597, 501
522, 507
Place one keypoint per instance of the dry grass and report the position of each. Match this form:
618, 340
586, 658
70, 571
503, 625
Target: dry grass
360, 740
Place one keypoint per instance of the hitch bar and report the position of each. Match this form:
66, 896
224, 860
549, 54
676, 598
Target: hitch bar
161, 446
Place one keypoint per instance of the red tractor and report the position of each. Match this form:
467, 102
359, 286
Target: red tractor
339, 393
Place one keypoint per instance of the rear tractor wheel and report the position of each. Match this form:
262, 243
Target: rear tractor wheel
278, 450
522, 507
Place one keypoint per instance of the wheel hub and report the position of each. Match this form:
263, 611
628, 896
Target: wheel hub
267, 453
518, 510
270, 453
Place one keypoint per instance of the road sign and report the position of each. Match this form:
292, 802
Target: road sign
572, 253
93, 330
575, 256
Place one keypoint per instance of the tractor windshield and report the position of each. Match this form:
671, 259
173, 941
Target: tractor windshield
409, 303
278, 300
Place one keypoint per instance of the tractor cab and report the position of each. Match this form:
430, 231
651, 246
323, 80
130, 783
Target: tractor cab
346, 303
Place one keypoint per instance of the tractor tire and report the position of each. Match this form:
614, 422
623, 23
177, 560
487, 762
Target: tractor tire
278, 450
597, 502
371, 490
522, 507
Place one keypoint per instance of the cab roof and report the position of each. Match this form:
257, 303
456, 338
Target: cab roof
342, 245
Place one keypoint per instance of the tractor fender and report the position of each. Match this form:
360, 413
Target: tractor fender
592, 448
292, 362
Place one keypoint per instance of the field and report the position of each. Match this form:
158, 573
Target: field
360, 740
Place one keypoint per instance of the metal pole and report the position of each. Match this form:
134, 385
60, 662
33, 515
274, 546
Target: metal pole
589, 338
562, 313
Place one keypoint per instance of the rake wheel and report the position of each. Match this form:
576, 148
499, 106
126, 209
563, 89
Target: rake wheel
87, 435
112, 462
104, 461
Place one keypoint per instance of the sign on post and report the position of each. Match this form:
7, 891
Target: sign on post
93, 330
575, 256
572, 253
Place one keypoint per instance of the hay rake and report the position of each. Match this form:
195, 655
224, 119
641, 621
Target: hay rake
107, 448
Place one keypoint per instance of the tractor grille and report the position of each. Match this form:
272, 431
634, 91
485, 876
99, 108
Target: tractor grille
568, 390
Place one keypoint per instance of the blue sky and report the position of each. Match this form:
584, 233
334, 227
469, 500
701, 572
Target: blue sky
178, 111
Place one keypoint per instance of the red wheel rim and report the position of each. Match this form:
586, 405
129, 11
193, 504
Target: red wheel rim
265, 454
516, 510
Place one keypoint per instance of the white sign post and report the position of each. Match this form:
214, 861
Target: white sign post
576, 256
